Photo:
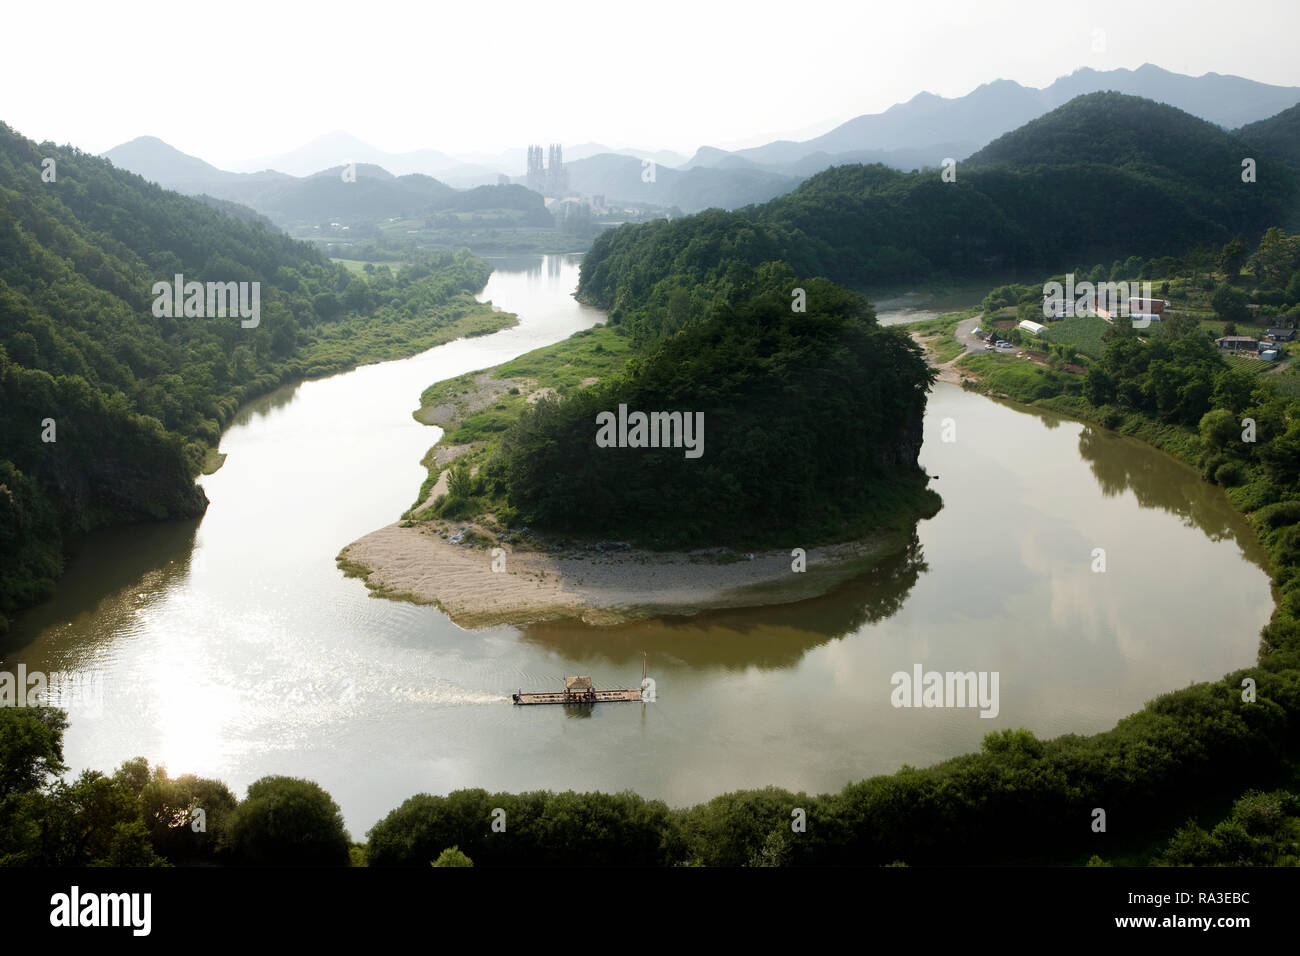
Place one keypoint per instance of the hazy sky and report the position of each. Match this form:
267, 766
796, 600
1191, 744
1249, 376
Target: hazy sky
235, 80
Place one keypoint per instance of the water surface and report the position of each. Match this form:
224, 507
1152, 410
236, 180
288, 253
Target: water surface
233, 647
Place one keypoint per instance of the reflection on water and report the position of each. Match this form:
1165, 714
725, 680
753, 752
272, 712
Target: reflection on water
113, 578
1119, 466
917, 305
767, 638
236, 649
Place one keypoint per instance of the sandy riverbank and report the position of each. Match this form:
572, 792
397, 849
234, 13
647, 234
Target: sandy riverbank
423, 561
598, 587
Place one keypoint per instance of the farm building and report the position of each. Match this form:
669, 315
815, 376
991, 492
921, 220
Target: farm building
1033, 328
1237, 343
1138, 307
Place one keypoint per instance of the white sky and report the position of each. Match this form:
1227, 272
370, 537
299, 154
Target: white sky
233, 80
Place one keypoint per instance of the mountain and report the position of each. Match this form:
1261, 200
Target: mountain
373, 193
109, 404
1119, 130
496, 198
904, 159
468, 170
958, 127
379, 194
627, 179
1104, 177
167, 166
339, 148
1278, 135
714, 158
663, 157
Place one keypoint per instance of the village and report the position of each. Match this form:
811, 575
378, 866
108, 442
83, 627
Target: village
1268, 342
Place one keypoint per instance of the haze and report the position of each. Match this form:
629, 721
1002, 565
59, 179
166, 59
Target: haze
239, 80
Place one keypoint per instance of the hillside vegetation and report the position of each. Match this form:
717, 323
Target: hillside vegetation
138, 400
1277, 136
1091, 181
805, 423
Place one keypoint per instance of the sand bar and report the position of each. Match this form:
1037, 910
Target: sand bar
605, 586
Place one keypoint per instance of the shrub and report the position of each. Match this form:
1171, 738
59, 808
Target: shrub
1211, 463
1253, 495
289, 822
452, 857
1229, 473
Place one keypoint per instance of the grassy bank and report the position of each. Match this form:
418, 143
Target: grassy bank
476, 409
939, 335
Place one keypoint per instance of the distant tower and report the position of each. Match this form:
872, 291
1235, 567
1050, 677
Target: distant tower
557, 177
549, 178
536, 174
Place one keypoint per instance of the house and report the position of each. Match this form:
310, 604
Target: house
1137, 306
1281, 335
1237, 343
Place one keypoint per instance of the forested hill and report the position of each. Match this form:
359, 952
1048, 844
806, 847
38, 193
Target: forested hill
1119, 130
1105, 176
136, 400
1277, 136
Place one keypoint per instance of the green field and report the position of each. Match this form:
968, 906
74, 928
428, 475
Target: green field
476, 408
1084, 332
1017, 378
1252, 366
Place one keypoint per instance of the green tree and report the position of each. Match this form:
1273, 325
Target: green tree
1232, 257
1218, 428
452, 857
286, 821
1099, 387
1293, 289
1232, 389
187, 817
1197, 259
31, 748
1262, 830
1229, 304
1276, 258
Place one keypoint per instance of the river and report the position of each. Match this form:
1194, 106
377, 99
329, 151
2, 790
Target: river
233, 647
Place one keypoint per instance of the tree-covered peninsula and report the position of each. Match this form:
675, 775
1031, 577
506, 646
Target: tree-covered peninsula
780, 412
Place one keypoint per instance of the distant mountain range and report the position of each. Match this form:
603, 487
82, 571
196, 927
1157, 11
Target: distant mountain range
1105, 177
477, 169
378, 193
324, 195
631, 179
928, 128
919, 133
